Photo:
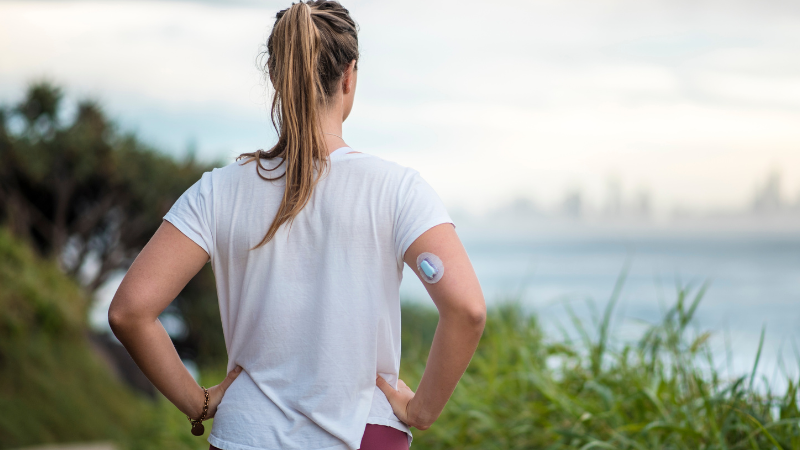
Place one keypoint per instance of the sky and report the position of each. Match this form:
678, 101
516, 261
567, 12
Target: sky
691, 103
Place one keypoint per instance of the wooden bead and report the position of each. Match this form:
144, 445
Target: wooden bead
198, 429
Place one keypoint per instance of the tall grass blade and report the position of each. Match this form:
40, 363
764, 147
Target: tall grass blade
598, 444
758, 357
602, 341
728, 351
576, 322
763, 430
699, 296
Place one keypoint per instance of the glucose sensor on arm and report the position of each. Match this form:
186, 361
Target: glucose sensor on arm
430, 267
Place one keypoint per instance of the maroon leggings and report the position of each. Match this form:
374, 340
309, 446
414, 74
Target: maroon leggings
377, 437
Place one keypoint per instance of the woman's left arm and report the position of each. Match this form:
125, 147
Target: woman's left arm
156, 277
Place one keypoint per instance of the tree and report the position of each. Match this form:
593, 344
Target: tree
90, 197
81, 192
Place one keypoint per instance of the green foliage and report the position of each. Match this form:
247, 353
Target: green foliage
81, 189
70, 191
52, 387
35, 297
523, 391
56, 390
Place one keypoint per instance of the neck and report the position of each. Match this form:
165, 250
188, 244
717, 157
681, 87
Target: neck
331, 122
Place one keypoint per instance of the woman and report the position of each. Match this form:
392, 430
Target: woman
307, 245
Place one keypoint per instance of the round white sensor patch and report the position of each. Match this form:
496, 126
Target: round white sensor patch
430, 267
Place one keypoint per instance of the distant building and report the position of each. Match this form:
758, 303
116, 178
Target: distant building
572, 205
520, 208
642, 206
613, 206
768, 197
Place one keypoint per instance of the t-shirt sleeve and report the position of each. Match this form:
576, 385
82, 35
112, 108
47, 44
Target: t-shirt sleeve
193, 213
419, 209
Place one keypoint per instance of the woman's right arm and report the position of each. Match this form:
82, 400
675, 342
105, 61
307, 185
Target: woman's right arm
462, 315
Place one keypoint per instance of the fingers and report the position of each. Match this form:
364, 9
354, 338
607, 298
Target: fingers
384, 386
216, 393
398, 398
231, 376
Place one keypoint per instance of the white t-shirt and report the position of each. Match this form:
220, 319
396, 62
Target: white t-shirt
313, 315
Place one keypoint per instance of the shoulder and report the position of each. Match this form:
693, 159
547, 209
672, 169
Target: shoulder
237, 170
372, 165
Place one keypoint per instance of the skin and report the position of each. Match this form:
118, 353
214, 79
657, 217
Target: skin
462, 315
170, 259
339, 106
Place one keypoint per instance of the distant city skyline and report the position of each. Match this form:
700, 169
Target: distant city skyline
767, 198
577, 107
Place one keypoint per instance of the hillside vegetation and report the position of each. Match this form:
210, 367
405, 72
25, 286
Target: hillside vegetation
53, 387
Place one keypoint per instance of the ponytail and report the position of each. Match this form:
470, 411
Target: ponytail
310, 46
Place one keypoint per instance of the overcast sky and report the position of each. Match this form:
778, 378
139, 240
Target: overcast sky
692, 101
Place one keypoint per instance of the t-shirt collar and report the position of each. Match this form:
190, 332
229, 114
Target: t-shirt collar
340, 151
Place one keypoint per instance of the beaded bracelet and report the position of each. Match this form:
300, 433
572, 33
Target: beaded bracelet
197, 426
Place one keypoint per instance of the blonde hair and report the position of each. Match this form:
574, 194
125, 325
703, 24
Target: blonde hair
309, 48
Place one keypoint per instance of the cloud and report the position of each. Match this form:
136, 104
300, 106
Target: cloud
695, 100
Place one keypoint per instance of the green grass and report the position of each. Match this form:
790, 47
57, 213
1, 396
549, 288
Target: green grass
53, 388
523, 390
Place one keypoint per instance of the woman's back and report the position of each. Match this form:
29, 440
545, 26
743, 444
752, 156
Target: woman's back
313, 315
308, 255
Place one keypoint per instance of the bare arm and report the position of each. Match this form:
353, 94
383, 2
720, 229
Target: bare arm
155, 278
462, 315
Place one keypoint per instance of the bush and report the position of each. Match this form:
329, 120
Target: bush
525, 391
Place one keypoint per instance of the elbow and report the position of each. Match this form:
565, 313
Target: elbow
116, 318
119, 319
477, 316
475, 312
471, 316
